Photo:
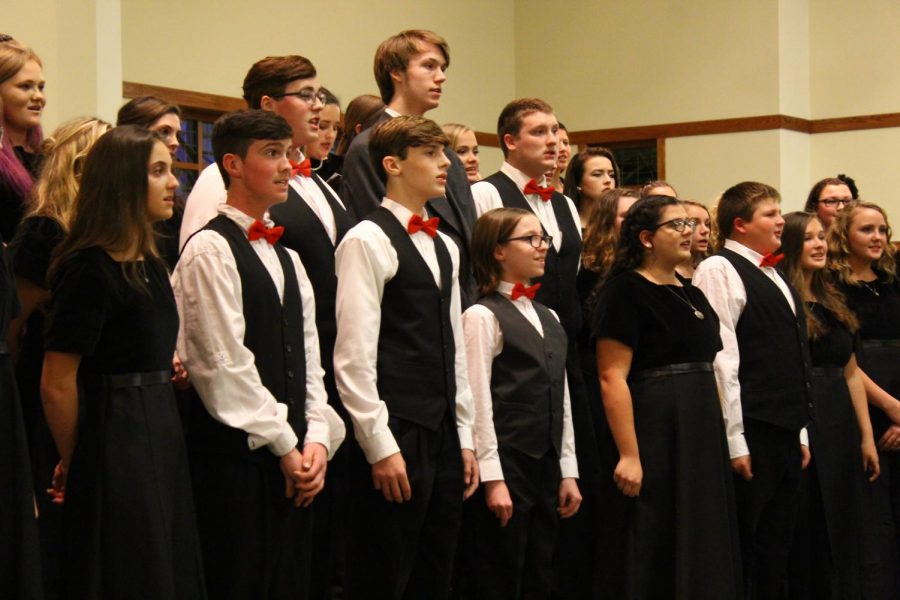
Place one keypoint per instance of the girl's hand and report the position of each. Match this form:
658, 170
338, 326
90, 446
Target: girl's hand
629, 475
57, 489
870, 459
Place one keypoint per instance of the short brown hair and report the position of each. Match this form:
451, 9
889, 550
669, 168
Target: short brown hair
270, 76
812, 201
144, 111
394, 54
395, 136
510, 120
493, 228
738, 202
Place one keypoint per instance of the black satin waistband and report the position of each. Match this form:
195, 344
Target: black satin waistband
667, 370
880, 343
122, 380
827, 371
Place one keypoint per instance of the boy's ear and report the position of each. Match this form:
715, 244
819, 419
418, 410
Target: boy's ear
234, 166
510, 141
499, 253
739, 225
391, 165
396, 77
267, 103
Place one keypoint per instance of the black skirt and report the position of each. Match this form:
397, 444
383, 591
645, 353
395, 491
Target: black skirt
682, 529
129, 523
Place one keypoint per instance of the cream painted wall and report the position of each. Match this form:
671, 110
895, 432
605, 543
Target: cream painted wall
602, 63
216, 46
855, 50
870, 157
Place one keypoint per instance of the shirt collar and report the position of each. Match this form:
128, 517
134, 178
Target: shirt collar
506, 288
391, 112
402, 213
518, 177
243, 220
737, 247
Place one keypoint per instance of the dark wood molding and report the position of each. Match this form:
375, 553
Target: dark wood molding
197, 102
661, 158
213, 105
721, 126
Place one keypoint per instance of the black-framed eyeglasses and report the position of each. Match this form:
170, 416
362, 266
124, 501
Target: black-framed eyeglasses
307, 95
535, 240
832, 202
678, 225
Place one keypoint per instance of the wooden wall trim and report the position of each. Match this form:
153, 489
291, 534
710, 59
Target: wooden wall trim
213, 105
185, 99
721, 126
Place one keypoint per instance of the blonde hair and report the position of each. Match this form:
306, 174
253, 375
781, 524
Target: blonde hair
454, 131
64, 154
839, 244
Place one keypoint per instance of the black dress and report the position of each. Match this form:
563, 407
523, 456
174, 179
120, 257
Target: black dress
828, 528
682, 531
20, 573
129, 515
32, 249
877, 304
12, 202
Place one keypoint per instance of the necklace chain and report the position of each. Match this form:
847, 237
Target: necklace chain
684, 299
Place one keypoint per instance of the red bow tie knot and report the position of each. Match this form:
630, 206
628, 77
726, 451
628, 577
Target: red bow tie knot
770, 260
545, 193
520, 290
259, 230
417, 223
301, 168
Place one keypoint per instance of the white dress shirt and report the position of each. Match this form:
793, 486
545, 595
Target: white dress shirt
202, 203
484, 342
365, 261
487, 198
717, 278
207, 289
314, 197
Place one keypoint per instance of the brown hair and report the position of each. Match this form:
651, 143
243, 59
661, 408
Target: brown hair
647, 188
491, 229
111, 208
812, 201
395, 136
234, 132
361, 111
575, 171
394, 54
144, 111
510, 120
839, 244
600, 234
792, 239
271, 75
738, 202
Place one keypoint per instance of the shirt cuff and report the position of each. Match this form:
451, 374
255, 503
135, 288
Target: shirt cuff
466, 440
804, 437
568, 467
379, 446
284, 443
737, 446
489, 469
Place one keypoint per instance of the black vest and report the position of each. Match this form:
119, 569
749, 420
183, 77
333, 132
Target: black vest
558, 289
305, 234
416, 351
273, 332
774, 351
528, 379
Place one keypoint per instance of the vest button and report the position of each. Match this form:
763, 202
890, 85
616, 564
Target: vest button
290, 401
290, 374
284, 322
287, 348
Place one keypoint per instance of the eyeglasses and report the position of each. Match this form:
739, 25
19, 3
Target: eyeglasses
678, 225
307, 95
832, 202
535, 240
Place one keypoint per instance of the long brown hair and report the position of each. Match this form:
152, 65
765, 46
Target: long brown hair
491, 229
111, 209
824, 291
600, 230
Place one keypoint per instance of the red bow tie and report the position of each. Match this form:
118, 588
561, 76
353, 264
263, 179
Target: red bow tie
259, 230
417, 223
545, 193
520, 290
301, 168
770, 260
